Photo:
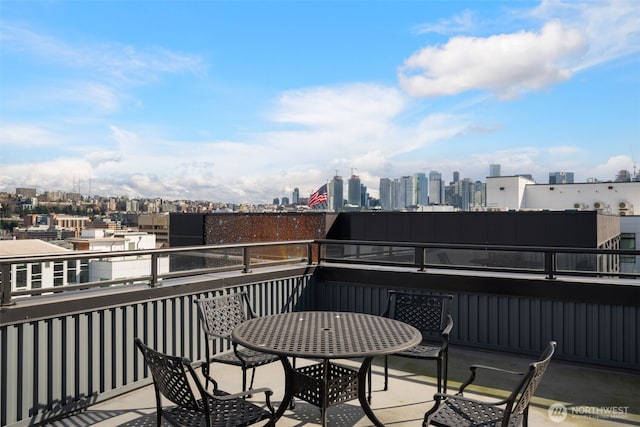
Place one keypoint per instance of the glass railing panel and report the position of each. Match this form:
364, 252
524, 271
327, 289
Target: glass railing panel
371, 254
280, 254
481, 258
222, 258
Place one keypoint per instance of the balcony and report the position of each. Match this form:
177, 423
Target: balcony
68, 354
411, 394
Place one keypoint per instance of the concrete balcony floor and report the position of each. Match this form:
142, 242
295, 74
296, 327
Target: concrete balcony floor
590, 394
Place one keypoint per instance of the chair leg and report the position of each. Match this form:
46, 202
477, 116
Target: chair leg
386, 373
439, 375
292, 405
446, 371
369, 384
253, 375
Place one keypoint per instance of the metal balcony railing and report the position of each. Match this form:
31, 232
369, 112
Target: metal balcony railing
78, 270
548, 261
49, 273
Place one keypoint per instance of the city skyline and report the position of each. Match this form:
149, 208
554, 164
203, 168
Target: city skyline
241, 102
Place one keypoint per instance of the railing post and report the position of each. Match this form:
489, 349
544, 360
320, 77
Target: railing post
319, 252
421, 256
309, 253
246, 257
154, 270
550, 264
5, 284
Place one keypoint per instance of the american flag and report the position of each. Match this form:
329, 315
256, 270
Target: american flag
319, 196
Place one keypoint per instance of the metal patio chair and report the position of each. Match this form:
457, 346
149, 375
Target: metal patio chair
431, 315
174, 378
218, 316
457, 410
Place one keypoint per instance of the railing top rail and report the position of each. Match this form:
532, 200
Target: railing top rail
72, 255
424, 245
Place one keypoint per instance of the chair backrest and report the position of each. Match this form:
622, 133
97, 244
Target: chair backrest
523, 394
219, 315
426, 312
170, 376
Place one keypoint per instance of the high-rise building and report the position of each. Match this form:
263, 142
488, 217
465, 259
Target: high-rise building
354, 188
404, 192
560, 177
295, 197
456, 176
420, 189
364, 196
385, 194
494, 170
436, 188
336, 193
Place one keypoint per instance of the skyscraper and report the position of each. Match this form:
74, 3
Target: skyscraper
405, 192
354, 189
385, 194
494, 170
296, 196
336, 193
436, 188
420, 189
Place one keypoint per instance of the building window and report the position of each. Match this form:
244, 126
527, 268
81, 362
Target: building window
36, 276
71, 272
58, 273
21, 276
628, 241
84, 271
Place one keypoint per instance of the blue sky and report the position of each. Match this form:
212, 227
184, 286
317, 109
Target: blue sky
243, 101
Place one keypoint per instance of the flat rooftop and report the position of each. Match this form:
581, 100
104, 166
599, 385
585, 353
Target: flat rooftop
593, 396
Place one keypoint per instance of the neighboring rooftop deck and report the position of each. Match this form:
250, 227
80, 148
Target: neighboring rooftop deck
410, 394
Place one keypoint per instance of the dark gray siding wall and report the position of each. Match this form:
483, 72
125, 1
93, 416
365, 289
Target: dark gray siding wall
552, 228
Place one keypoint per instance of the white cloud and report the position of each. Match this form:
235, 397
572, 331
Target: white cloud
359, 131
357, 105
612, 166
464, 22
506, 64
611, 27
97, 158
120, 61
27, 135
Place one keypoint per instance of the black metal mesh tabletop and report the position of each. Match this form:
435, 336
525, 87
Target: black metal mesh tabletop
326, 335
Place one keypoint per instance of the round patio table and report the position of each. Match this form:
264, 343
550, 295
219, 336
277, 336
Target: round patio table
326, 335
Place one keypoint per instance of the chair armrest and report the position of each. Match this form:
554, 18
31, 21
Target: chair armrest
475, 368
493, 368
447, 330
